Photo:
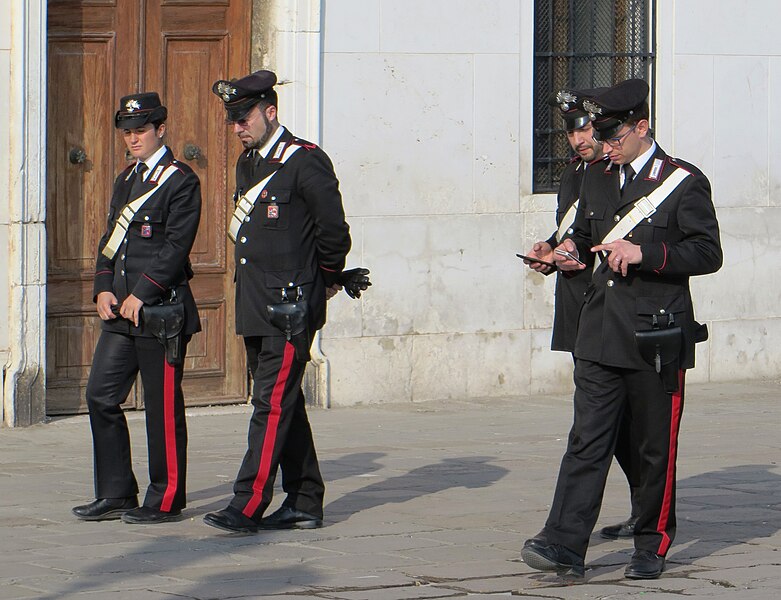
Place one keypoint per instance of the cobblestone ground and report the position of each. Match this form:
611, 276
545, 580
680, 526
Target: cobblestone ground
428, 500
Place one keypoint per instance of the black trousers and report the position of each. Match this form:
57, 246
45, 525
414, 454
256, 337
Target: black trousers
118, 359
628, 459
279, 434
627, 456
601, 396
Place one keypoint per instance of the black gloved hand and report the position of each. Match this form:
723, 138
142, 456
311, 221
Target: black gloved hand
355, 281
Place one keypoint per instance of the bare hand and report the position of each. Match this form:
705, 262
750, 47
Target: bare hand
564, 263
104, 303
543, 251
621, 254
131, 308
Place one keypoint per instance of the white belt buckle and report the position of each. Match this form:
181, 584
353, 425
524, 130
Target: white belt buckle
645, 206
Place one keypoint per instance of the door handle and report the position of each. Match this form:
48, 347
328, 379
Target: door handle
77, 156
192, 152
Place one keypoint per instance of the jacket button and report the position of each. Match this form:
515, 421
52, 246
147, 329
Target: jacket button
291, 284
661, 311
611, 283
273, 198
616, 218
146, 218
570, 231
246, 219
122, 257
243, 261
591, 213
243, 240
122, 272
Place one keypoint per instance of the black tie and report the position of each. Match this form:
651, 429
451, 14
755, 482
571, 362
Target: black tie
138, 177
629, 174
255, 158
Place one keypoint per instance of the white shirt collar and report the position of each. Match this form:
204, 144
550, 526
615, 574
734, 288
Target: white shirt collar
639, 162
152, 161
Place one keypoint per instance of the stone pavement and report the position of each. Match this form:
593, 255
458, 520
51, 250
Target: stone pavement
429, 500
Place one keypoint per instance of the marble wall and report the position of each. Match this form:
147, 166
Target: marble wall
426, 114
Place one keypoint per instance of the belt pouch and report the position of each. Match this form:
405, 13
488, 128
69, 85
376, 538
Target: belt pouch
662, 349
291, 319
165, 321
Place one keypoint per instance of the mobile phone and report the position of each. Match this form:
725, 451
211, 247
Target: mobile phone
569, 255
536, 260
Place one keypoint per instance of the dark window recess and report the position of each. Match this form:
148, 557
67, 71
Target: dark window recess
584, 44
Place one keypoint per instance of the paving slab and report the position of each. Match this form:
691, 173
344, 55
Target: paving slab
424, 500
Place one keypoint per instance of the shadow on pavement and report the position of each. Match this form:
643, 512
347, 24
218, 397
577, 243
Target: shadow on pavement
467, 471
717, 510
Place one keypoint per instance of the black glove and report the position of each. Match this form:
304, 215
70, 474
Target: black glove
355, 281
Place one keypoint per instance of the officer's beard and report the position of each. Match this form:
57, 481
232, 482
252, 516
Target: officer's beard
266, 135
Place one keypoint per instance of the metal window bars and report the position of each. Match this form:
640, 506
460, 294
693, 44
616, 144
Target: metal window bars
584, 44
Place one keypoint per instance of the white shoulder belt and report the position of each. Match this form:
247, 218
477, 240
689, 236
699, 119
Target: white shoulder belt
129, 211
646, 206
246, 204
643, 208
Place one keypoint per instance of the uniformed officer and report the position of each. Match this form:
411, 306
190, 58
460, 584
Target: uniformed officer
291, 240
143, 259
636, 333
571, 285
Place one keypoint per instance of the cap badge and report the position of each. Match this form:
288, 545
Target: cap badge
592, 109
564, 99
132, 105
226, 91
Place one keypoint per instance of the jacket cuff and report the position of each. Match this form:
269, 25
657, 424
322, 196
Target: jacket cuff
103, 282
148, 290
330, 276
654, 256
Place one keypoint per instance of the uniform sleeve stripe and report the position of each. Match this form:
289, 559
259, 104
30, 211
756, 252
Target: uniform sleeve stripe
153, 281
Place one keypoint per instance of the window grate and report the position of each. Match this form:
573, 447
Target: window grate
584, 44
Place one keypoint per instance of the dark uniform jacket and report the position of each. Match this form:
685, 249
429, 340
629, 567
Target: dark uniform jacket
570, 286
679, 240
155, 254
296, 235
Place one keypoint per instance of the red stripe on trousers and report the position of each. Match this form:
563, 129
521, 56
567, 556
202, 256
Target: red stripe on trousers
270, 437
675, 420
170, 437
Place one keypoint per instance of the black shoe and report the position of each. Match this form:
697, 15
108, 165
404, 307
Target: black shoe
231, 520
552, 557
146, 515
624, 529
644, 565
105, 509
287, 517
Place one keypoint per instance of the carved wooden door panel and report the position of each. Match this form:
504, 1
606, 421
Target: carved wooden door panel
98, 52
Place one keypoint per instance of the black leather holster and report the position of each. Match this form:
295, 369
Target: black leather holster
165, 321
291, 318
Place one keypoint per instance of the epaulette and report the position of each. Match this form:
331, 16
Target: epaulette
675, 162
303, 143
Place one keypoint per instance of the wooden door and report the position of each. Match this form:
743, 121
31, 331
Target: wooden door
99, 51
